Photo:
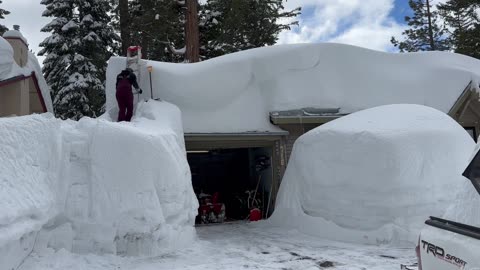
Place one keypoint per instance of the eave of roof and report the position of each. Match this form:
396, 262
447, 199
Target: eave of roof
289, 120
17, 38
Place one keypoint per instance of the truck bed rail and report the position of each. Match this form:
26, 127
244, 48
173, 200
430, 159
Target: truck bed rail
455, 227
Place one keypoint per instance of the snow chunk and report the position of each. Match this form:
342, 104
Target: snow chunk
373, 176
236, 92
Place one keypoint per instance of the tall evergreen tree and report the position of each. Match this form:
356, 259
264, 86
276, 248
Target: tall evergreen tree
3, 12
155, 25
234, 25
463, 25
97, 43
425, 33
76, 53
58, 47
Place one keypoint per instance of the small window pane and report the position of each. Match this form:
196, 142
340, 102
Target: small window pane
473, 171
472, 132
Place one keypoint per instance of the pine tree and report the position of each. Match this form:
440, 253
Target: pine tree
155, 25
57, 48
98, 41
463, 25
425, 33
3, 12
76, 55
234, 25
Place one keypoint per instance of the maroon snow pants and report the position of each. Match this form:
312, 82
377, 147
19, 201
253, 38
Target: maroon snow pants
125, 103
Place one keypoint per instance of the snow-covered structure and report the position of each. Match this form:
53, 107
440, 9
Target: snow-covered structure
262, 100
374, 176
23, 89
94, 186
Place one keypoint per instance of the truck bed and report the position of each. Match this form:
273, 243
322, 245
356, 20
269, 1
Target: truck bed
455, 227
448, 245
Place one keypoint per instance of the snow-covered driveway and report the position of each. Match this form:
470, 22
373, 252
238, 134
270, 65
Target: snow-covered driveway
239, 246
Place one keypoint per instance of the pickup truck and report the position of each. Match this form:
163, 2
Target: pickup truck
449, 245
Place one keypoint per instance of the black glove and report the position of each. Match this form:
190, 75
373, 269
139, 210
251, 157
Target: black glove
140, 90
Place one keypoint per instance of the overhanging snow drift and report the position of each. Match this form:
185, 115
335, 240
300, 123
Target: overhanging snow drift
236, 92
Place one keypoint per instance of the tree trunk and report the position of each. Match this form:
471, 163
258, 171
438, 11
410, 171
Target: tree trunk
124, 26
430, 27
192, 42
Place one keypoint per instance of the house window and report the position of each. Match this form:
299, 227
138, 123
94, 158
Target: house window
472, 172
471, 131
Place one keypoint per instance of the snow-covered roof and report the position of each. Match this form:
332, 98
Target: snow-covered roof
9, 69
236, 92
34, 66
15, 34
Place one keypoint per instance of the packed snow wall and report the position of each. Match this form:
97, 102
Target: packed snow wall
374, 176
236, 92
95, 186
131, 191
32, 185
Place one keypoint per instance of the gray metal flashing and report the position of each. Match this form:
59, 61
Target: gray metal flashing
279, 120
239, 134
308, 111
307, 115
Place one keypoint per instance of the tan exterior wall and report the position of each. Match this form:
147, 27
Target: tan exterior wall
35, 103
295, 131
14, 99
20, 51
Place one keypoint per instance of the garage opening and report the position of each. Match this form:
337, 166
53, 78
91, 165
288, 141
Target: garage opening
232, 184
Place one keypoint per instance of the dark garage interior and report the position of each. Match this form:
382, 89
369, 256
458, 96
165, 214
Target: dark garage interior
232, 184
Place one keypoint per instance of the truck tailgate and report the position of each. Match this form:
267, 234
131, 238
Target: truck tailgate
447, 245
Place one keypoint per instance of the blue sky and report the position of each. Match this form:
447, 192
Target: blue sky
400, 10
366, 23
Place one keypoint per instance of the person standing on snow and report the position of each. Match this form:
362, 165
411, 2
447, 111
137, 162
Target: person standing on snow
125, 80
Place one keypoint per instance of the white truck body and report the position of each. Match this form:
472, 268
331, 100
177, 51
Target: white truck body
443, 249
449, 245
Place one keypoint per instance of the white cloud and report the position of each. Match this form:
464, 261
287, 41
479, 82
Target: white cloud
363, 23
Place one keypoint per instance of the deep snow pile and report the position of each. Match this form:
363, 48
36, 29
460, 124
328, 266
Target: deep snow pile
236, 92
95, 186
31, 182
373, 176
